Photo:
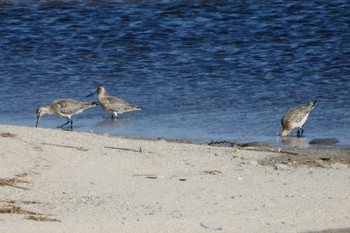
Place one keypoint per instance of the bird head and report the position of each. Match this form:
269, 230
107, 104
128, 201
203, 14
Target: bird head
39, 113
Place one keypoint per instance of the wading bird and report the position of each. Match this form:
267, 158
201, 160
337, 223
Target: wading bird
296, 118
111, 104
64, 108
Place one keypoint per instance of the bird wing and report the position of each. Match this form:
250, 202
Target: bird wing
297, 114
114, 104
69, 106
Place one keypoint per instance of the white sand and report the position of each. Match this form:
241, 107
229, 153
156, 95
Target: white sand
168, 187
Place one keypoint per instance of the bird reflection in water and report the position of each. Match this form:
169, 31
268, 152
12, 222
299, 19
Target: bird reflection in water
112, 122
299, 142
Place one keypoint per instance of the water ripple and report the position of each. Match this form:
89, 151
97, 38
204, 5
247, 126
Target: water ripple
201, 70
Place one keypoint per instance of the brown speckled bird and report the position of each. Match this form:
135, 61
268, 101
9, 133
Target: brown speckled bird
296, 118
111, 104
64, 108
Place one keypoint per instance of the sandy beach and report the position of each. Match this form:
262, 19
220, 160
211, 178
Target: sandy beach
62, 181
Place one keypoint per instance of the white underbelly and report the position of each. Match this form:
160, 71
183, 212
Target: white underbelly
302, 122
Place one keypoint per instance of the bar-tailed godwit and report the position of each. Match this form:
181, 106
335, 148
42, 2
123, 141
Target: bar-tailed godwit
111, 104
64, 108
296, 118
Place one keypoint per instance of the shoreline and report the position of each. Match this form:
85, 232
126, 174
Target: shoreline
68, 181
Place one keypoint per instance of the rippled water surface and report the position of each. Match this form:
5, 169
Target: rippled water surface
201, 71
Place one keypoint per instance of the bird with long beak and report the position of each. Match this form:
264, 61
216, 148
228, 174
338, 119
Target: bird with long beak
296, 118
111, 104
64, 108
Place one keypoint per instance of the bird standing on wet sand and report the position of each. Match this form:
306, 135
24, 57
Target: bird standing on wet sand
111, 104
296, 118
64, 108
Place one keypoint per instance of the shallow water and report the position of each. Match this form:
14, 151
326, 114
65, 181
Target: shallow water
201, 71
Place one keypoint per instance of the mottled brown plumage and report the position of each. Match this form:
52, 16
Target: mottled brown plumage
296, 118
113, 105
64, 108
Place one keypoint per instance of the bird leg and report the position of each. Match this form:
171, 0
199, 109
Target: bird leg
69, 121
300, 132
114, 115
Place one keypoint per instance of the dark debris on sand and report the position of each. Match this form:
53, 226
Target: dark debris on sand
309, 157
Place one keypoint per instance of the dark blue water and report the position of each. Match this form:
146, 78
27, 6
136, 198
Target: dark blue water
201, 70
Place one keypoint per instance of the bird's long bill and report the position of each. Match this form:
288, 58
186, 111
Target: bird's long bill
90, 94
37, 121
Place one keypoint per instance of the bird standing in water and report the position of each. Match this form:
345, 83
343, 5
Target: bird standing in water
111, 104
64, 108
296, 118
